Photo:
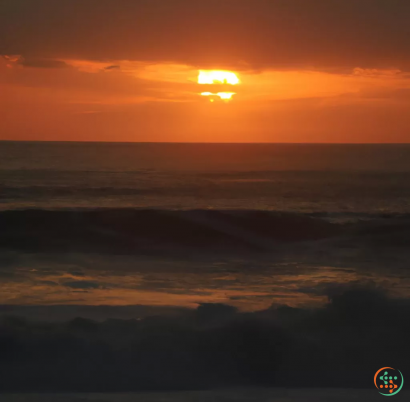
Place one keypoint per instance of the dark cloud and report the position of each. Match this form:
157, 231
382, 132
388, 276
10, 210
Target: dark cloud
83, 285
49, 283
61, 312
325, 34
112, 68
338, 345
42, 63
333, 289
7, 275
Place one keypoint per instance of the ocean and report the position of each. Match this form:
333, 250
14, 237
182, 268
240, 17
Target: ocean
345, 180
153, 267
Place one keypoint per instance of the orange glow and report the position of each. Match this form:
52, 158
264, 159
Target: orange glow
217, 77
79, 104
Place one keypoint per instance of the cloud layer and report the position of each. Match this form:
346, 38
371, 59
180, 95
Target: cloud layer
325, 34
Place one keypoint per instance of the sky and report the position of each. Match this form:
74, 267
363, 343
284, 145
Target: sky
127, 70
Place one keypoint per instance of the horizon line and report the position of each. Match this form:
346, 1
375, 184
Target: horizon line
211, 143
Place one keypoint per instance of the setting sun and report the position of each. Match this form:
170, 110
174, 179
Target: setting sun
217, 77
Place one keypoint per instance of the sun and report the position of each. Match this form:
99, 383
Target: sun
218, 77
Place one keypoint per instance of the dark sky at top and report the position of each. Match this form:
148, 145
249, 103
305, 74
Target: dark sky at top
325, 34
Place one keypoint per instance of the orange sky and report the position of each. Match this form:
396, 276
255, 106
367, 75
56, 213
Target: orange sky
82, 72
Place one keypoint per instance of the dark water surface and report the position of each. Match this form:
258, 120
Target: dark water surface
340, 179
153, 267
